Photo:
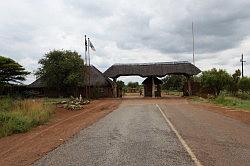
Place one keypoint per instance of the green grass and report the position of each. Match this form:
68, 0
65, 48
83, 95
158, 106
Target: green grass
227, 101
173, 92
232, 102
17, 116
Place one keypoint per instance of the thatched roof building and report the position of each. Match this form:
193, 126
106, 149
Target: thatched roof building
152, 69
98, 83
96, 78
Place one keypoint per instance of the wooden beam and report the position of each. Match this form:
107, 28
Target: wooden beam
115, 88
153, 88
189, 86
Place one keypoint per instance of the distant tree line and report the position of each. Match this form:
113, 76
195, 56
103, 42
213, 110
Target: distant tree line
214, 81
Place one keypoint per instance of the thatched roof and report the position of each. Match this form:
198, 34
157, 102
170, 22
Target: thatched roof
37, 84
152, 69
96, 79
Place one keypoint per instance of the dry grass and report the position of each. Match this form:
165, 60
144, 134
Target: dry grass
18, 116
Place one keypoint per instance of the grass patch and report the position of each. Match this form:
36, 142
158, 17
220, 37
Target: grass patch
233, 102
173, 92
17, 116
228, 101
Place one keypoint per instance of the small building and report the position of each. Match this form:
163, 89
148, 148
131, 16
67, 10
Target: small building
95, 85
148, 85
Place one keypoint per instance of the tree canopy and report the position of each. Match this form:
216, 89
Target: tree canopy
11, 71
215, 80
244, 84
173, 82
61, 68
233, 85
120, 84
133, 85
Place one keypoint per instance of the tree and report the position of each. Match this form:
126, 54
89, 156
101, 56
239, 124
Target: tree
173, 82
61, 68
120, 84
244, 84
215, 80
233, 85
133, 85
11, 71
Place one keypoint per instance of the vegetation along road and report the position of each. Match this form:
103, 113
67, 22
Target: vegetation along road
157, 132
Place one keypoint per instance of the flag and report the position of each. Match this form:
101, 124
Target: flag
86, 44
91, 46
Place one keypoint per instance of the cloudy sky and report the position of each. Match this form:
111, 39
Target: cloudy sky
125, 31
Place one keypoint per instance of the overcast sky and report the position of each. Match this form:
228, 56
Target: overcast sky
125, 31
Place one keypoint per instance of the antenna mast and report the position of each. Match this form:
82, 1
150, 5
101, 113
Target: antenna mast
193, 40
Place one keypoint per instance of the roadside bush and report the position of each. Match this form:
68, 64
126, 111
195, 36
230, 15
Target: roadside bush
215, 80
243, 96
233, 84
244, 84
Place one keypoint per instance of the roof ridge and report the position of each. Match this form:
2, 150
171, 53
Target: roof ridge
153, 63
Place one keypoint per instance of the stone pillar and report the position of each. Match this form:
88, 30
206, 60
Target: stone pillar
153, 88
189, 86
115, 88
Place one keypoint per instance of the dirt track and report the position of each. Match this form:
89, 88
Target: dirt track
24, 149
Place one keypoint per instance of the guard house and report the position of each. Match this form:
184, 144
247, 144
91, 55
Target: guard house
152, 70
148, 84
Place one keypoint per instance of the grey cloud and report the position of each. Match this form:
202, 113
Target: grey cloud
32, 28
217, 27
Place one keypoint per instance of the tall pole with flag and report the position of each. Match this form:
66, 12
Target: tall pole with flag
86, 48
90, 45
86, 63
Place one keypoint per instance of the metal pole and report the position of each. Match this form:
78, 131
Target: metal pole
89, 65
193, 40
242, 64
85, 53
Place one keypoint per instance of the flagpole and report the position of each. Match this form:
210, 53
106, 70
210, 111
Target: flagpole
85, 48
86, 63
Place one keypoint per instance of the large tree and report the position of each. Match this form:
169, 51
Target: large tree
244, 84
133, 85
61, 68
173, 82
11, 71
233, 85
215, 80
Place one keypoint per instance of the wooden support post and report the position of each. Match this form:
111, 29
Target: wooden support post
153, 88
189, 86
115, 88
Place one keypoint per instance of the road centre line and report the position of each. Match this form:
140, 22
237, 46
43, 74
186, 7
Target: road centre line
183, 142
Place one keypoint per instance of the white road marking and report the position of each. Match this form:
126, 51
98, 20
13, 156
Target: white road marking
183, 142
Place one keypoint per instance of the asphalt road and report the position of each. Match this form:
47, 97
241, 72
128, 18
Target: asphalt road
137, 134
132, 135
215, 139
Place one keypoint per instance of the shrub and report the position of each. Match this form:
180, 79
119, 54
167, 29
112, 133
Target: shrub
215, 80
244, 84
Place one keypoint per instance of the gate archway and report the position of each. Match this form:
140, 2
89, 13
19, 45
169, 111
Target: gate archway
152, 70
